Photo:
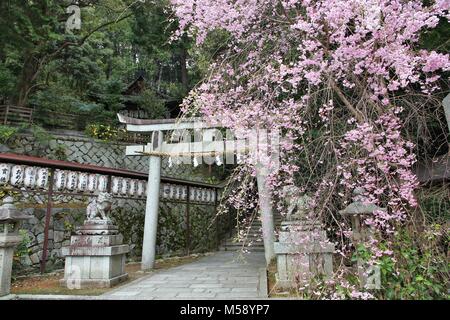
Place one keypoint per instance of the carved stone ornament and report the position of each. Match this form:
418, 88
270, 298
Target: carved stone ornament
298, 206
99, 208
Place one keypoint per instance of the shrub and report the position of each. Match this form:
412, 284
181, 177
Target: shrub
103, 132
6, 133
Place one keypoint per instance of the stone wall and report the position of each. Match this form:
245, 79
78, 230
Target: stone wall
69, 212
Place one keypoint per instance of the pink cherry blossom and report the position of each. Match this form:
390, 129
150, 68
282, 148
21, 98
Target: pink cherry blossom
331, 66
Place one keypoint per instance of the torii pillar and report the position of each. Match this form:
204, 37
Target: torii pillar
265, 205
152, 204
263, 169
446, 105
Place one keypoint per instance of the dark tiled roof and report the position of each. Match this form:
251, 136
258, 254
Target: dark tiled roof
437, 170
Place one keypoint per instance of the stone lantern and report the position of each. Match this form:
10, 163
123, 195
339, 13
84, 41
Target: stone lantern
10, 221
357, 211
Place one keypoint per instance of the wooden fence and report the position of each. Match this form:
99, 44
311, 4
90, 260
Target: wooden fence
13, 115
61, 120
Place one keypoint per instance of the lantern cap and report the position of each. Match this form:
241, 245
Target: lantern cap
9, 212
359, 207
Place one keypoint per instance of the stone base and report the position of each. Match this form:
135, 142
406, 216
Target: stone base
283, 283
97, 227
93, 283
298, 269
95, 258
302, 253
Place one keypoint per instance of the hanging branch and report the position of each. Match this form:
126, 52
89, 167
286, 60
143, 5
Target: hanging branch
356, 113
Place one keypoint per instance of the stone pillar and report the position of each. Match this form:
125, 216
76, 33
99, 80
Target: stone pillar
96, 256
152, 205
10, 219
446, 105
268, 228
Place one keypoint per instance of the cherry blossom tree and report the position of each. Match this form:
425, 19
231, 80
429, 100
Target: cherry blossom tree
334, 76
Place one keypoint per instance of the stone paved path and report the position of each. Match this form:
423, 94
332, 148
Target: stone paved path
222, 275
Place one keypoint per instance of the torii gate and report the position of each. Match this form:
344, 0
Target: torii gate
207, 146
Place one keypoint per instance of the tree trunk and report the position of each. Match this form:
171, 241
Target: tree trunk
268, 228
184, 73
109, 69
27, 77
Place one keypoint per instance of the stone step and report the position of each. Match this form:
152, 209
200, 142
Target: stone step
249, 238
258, 222
237, 248
253, 241
253, 236
256, 227
255, 231
233, 243
247, 234
246, 240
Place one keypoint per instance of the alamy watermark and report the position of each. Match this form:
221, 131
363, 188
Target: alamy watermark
74, 20
73, 280
373, 280
221, 146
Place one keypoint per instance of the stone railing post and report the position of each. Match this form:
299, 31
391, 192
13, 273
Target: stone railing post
10, 221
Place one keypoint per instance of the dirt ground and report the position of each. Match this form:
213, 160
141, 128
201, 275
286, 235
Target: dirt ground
49, 283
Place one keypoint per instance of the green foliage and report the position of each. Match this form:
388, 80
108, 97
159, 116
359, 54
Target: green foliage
438, 38
9, 191
6, 133
102, 132
84, 72
131, 226
108, 95
41, 135
361, 253
68, 226
418, 268
7, 82
435, 203
57, 99
59, 152
22, 248
154, 105
215, 43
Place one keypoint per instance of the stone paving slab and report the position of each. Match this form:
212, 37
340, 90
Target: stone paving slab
222, 275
